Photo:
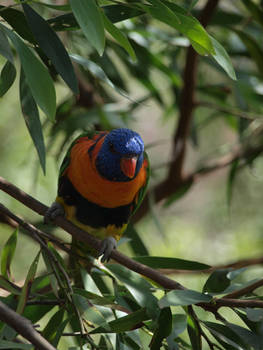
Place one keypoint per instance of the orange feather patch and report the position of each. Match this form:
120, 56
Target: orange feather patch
90, 184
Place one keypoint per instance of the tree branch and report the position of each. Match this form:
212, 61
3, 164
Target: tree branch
234, 265
228, 302
24, 327
187, 99
245, 290
81, 235
167, 283
175, 178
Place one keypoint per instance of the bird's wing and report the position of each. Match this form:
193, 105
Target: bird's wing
141, 193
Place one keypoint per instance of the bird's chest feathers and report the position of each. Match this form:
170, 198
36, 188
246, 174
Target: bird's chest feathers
87, 181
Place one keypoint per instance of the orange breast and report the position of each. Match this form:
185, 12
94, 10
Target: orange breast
91, 185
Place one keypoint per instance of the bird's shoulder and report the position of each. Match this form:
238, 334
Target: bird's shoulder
89, 137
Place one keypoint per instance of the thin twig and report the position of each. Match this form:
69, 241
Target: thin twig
244, 291
229, 110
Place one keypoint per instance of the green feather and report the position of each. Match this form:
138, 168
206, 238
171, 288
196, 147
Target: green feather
143, 190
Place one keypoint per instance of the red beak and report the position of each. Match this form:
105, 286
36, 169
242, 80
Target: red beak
128, 166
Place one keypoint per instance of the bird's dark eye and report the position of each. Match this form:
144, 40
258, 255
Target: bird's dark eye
111, 146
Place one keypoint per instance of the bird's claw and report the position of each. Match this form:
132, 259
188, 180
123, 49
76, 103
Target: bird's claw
56, 209
106, 248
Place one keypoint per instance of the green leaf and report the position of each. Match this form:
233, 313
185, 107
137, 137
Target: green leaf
136, 242
5, 344
250, 339
9, 286
7, 254
5, 49
255, 10
125, 323
115, 13
222, 58
88, 311
217, 282
60, 329
178, 326
32, 120
7, 77
97, 72
50, 270
253, 48
158, 262
27, 285
183, 297
37, 77
255, 315
137, 286
89, 18
150, 59
163, 329
194, 333
50, 331
178, 18
121, 12
118, 36
227, 18
35, 312
52, 47
96, 299
17, 21
225, 336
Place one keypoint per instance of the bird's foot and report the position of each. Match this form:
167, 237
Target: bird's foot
107, 246
56, 209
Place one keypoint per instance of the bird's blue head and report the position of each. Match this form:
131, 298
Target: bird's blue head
121, 155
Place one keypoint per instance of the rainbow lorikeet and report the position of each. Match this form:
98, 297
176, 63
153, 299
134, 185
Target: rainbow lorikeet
102, 182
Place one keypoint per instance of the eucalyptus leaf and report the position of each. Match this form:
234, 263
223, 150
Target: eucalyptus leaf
52, 46
9, 286
178, 18
88, 311
183, 297
7, 254
222, 58
50, 330
217, 282
225, 336
97, 71
125, 323
89, 18
255, 10
32, 120
17, 20
118, 36
27, 285
138, 286
37, 76
7, 77
163, 329
159, 262
5, 49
